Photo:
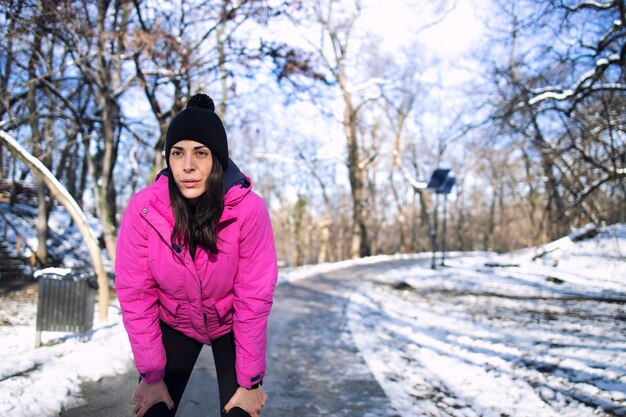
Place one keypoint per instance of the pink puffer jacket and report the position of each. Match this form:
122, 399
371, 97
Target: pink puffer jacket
203, 298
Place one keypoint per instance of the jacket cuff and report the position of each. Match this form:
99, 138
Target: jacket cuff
250, 383
152, 376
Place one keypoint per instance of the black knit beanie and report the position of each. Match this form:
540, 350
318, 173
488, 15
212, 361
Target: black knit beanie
199, 122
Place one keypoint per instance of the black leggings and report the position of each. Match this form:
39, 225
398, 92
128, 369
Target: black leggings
182, 352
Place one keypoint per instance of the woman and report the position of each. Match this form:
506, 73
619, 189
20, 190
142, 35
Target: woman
196, 265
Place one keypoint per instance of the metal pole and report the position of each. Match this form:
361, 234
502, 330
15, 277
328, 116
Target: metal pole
433, 234
443, 232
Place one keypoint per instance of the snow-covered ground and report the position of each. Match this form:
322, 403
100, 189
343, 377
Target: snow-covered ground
528, 340
545, 338
43, 381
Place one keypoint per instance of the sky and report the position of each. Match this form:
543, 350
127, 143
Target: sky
458, 28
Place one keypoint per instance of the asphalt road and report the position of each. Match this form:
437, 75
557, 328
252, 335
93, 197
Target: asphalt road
314, 368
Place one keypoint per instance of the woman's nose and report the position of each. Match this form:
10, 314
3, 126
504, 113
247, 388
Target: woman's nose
188, 163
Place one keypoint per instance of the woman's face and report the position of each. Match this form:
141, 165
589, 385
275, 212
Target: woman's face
191, 163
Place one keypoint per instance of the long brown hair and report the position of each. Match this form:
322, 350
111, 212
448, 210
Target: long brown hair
198, 227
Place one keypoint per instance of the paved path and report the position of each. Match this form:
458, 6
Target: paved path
314, 368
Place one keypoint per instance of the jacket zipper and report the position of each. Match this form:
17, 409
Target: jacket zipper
181, 256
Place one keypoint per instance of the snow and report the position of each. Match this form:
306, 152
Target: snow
65, 243
43, 381
60, 272
602, 62
551, 95
544, 338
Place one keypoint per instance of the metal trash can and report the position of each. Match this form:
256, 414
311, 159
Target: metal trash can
66, 302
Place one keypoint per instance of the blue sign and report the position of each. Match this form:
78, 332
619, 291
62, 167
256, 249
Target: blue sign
438, 178
447, 185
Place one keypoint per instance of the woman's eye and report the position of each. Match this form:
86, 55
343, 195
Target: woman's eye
202, 153
176, 153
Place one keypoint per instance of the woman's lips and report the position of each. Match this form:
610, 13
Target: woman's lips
189, 183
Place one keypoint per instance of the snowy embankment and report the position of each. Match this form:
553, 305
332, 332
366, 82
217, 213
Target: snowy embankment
467, 340
43, 381
517, 338
65, 243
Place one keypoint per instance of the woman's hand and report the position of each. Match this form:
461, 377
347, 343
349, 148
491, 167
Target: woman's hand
250, 400
146, 395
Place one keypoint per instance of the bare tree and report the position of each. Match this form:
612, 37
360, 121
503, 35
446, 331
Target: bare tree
32, 99
166, 57
565, 101
336, 26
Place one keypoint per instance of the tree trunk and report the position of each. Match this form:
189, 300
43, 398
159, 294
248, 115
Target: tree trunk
298, 217
424, 217
219, 32
324, 241
109, 69
2, 167
360, 246
401, 217
491, 222
42, 222
36, 137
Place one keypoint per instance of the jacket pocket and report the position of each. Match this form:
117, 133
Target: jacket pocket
224, 309
167, 307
